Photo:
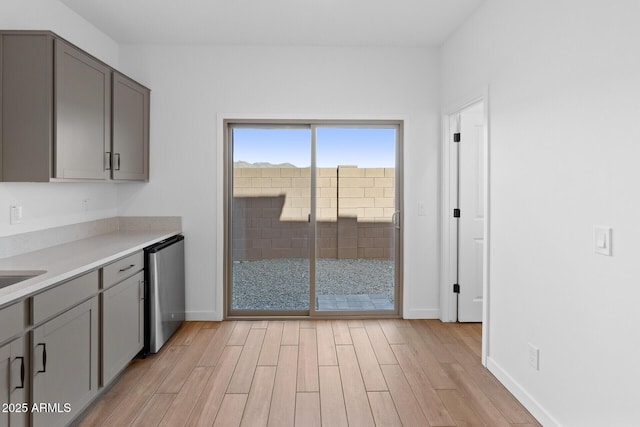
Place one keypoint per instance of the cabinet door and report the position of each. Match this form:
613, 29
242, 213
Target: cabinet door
65, 364
13, 384
83, 111
122, 321
130, 129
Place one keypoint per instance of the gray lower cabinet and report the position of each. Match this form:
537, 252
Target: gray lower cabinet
130, 138
65, 364
13, 384
122, 325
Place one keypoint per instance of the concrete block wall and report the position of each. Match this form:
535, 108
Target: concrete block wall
271, 208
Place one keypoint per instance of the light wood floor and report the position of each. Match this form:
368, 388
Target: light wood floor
312, 373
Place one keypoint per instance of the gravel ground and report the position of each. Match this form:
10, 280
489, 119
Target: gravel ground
283, 284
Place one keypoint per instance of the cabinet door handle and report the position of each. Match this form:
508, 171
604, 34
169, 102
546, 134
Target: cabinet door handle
118, 161
107, 161
127, 268
44, 358
21, 372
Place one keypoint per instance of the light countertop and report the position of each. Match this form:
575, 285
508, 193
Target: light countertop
65, 261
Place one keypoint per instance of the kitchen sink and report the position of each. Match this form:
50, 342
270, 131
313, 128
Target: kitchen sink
8, 278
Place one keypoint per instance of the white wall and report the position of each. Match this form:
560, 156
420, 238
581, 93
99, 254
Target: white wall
193, 86
51, 205
565, 146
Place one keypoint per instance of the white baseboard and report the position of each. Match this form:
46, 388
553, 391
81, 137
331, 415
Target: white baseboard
422, 313
203, 316
541, 414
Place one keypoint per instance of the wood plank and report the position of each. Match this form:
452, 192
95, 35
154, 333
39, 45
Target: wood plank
369, 367
283, 400
459, 409
391, 332
432, 343
215, 347
308, 410
421, 355
425, 394
512, 410
271, 345
230, 413
259, 324
211, 325
128, 410
189, 359
332, 406
307, 324
152, 413
459, 330
341, 333
476, 399
402, 323
308, 361
405, 401
290, 332
381, 347
383, 409
256, 412
326, 345
240, 333
110, 400
243, 375
440, 330
186, 399
186, 333
355, 323
208, 404
353, 387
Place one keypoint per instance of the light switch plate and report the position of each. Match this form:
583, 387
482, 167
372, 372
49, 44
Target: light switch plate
602, 240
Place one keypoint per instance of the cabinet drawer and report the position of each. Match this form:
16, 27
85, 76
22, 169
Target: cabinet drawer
12, 321
121, 269
64, 296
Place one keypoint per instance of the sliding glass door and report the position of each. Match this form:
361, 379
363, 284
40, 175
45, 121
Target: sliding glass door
355, 212
312, 219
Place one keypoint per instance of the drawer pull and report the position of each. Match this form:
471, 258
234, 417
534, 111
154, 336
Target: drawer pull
21, 372
127, 268
44, 358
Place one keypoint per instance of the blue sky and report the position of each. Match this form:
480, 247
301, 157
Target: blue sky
364, 147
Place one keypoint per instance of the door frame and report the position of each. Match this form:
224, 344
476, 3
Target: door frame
223, 263
449, 241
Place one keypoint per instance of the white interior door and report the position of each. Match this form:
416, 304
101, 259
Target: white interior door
471, 186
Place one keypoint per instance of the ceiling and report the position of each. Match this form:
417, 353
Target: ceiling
278, 22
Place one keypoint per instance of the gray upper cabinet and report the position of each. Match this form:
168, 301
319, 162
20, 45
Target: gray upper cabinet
57, 116
82, 110
130, 129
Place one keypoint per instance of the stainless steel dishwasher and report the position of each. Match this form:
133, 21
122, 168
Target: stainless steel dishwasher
164, 310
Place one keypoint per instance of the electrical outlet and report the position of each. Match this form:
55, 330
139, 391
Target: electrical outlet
534, 357
15, 216
422, 209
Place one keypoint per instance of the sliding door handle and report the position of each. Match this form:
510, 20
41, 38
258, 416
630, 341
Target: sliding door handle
395, 219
